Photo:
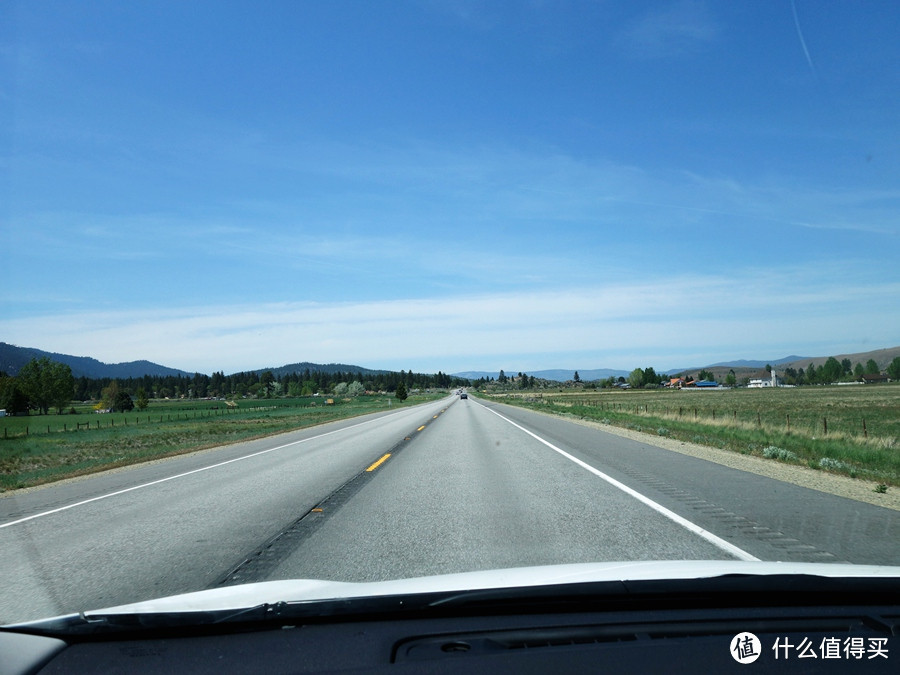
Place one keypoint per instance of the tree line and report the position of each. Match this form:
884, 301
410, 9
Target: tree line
521, 381
43, 384
832, 371
839, 371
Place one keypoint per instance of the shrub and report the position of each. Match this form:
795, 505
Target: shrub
829, 463
774, 452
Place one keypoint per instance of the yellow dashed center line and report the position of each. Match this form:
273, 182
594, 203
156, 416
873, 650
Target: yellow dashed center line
379, 462
384, 459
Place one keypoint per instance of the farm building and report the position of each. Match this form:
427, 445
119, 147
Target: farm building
773, 381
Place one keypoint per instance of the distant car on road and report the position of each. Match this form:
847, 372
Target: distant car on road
464, 395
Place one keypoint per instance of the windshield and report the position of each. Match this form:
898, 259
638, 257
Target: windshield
355, 291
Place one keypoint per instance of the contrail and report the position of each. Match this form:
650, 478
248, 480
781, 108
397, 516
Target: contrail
802, 41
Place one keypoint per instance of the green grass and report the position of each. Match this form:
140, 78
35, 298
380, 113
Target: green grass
86, 442
819, 427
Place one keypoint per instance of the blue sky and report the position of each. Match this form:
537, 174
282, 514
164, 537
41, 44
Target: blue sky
450, 185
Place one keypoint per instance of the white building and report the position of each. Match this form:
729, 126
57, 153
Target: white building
773, 382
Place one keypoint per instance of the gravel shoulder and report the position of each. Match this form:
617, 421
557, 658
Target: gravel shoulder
842, 486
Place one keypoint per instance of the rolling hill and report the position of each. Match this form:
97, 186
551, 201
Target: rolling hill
329, 368
12, 358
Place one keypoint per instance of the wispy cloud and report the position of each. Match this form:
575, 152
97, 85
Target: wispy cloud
844, 226
685, 314
680, 28
809, 61
420, 219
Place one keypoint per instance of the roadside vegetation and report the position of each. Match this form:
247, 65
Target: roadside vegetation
45, 435
849, 430
43, 448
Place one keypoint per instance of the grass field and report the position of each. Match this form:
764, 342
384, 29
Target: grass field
851, 430
43, 448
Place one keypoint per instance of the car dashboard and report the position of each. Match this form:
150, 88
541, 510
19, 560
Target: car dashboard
799, 624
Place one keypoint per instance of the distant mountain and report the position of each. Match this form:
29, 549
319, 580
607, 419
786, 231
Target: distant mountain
329, 368
12, 358
555, 375
559, 375
743, 363
744, 367
475, 374
882, 357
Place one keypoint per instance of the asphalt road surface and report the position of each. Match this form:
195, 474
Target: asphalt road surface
451, 486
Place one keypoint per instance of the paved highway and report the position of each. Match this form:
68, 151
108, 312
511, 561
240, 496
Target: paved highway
451, 486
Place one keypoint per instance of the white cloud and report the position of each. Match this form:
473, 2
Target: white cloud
673, 320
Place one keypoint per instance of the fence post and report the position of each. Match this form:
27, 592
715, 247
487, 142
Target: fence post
788, 422
865, 431
825, 425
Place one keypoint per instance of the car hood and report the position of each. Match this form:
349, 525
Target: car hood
313, 590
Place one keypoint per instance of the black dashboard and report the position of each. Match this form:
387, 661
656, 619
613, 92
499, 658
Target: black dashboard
827, 626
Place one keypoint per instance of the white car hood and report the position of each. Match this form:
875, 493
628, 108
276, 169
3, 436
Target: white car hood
311, 590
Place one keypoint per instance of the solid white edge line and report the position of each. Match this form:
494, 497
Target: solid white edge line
728, 547
188, 473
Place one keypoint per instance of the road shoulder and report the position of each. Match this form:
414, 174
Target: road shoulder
841, 486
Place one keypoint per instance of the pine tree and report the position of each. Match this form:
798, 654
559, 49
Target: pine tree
401, 391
